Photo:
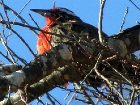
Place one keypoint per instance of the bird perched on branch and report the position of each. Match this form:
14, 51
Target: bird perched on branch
70, 29
63, 22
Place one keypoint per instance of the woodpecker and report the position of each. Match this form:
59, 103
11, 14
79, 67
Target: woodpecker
70, 29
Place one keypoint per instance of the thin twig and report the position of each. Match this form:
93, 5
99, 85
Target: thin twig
21, 38
124, 19
69, 92
134, 5
104, 96
80, 85
132, 96
14, 12
19, 58
8, 8
85, 94
49, 98
107, 81
34, 20
121, 89
25, 43
84, 101
13, 54
22, 10
82, 82
22, 60
99, 57
40, 101
19, 14
9, 91
102, 4
5, 11
54, 98
6, 57
6, 47
72, 97
120, 74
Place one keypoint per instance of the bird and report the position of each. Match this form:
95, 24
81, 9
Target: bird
70, 29
56, 19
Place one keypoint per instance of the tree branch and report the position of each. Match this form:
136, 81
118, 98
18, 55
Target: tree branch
102, 4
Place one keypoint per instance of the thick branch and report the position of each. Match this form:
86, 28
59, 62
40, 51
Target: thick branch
46, 84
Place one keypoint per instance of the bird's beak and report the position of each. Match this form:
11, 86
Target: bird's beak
42, 12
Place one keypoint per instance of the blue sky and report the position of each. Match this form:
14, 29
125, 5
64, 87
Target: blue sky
87, 10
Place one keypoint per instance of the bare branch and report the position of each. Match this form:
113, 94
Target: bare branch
120, 74
85, 94
6, 57
132, 96
102, 4
19, 14
134, 5
54, 99
104, 78
7, 49
21, 18
124, 19
21, 10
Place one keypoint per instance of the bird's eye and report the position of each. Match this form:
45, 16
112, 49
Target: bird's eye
45, 14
